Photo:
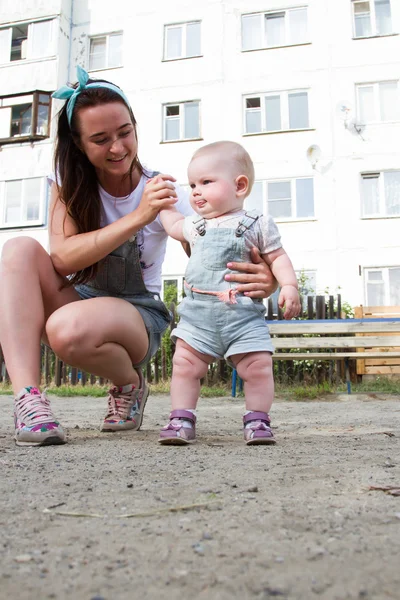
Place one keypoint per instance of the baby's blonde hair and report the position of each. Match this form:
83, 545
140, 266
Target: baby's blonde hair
232, 152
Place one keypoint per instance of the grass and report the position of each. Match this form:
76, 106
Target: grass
381, 385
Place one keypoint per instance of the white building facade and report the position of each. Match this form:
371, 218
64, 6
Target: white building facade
311, 89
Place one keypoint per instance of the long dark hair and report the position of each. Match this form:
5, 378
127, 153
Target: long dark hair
77, 182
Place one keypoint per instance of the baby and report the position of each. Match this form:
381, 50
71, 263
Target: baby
215, 320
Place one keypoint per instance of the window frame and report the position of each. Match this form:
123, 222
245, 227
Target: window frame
181, 138
183, 25
382, 197
36, 103
107, 37
29, 40
180, 279
293, 198
385, 279
263, 15
373, 22
377, 103
43, 197
284, 107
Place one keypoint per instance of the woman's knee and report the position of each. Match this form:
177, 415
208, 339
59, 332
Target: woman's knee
21, 251
66, 336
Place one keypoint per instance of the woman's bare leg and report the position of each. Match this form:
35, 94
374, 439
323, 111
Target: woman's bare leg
29, 293
103, 336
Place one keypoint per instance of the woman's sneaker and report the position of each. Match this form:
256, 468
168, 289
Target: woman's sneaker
257, 429
125, 410
35, 424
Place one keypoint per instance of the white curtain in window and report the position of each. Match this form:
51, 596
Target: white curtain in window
193, 45
394, 286
273, 113
383, 17
40, 39
98, 50
279, 199
375, 288
392, 192
192, 126
13, 194
389, 101
370, 195
305, 197
251, 32
366, 104
362, 19
255, 200
275, 29
5, 45
115, 50
298, 110
298, 25
174, 42
5, 122
32, 196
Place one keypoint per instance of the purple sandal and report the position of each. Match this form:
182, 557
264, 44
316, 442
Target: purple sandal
181, 429
260, 431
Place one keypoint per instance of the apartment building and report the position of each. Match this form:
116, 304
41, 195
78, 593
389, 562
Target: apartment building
311, 89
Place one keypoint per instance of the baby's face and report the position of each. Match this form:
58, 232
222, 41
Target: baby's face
213, 186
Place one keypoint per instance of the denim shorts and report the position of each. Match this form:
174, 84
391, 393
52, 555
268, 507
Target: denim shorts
223, 330
153, 311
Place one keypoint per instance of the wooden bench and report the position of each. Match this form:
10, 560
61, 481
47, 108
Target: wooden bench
341, 339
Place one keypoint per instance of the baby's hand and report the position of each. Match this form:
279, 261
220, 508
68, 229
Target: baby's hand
290, 299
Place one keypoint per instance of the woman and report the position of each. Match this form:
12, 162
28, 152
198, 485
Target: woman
106, 247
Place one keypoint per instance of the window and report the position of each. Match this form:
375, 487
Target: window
274, 29
181, 121
22, 202
283, 200
372, 18
27, 41
105, 51
380, 194
276, 111
382, 286
182, 41
378, 102
25, 117
173, 289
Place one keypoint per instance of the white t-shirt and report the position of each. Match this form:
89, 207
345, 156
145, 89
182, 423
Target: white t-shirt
264, 234
152, 239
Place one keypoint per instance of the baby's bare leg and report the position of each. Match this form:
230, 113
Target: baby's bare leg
255, 368
189, 366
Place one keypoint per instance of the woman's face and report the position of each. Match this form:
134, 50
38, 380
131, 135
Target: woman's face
108, 138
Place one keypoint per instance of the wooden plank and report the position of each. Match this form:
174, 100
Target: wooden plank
331, 355
384, 370
339, 326
337, 342
370, 362
380, 311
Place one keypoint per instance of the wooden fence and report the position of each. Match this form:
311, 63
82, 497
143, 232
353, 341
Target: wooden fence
56, 372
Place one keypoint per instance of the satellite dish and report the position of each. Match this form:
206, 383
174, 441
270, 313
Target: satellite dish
343, 110
313, 154
357, 128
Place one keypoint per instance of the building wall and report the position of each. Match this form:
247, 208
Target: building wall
337, 242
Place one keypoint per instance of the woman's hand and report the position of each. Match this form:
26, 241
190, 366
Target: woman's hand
255, 279
159, 193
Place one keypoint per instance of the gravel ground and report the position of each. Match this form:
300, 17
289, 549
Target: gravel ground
295, 521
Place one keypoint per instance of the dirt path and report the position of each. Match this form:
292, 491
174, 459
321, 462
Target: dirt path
294, 521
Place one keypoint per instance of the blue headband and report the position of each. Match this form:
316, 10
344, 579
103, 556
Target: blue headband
68, 93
